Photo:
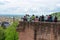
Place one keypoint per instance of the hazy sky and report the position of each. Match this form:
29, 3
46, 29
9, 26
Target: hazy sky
37, 7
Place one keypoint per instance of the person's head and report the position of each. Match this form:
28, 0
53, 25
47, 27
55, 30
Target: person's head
27, 15
55, 16
42, 15
46, 15
36, 16
33, 15
50, 15
24, 16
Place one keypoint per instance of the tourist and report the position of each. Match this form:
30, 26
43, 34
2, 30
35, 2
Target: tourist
32, 18
42, 18
28, 17
36, 19
55, 19
50, 18
46, 18
25, 18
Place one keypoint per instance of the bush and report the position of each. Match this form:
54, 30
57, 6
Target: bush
10, 32
2, 36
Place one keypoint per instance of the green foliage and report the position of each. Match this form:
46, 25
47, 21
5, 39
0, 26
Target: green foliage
11, 33
2, 36
56, 14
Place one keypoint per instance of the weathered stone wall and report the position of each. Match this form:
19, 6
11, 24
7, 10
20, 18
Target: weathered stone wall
39, 30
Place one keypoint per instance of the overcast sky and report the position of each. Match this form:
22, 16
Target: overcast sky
37, 7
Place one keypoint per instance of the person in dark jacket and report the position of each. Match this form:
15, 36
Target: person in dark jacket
50, 18
25, 18
42, 18
55, 19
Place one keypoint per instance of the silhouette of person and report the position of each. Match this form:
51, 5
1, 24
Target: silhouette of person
55, 19
36, 19
25, 18
33, 17
50, 18
28, 17
46, 18
42, 18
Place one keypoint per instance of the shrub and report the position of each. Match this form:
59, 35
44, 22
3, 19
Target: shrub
2, 36
10, 32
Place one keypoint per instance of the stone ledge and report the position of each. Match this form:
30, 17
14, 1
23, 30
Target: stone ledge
36, 25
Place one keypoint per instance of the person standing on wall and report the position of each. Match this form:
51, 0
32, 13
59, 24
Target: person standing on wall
36, 19
25, 18
32, 18
28, 17
50, 18
42, 18
55, 19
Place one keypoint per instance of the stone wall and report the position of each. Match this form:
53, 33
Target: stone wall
39, 30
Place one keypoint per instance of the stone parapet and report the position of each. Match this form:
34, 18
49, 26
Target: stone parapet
38, 30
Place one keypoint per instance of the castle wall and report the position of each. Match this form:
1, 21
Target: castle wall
39, 31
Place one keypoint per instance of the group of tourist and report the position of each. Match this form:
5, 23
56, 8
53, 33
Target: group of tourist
33, 18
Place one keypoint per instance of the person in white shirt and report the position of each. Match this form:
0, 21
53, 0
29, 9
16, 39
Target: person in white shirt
46, 18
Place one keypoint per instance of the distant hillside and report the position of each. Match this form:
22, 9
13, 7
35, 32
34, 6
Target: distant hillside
56, 14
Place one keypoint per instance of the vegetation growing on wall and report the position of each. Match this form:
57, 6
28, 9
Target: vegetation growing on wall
9, 33
2, 36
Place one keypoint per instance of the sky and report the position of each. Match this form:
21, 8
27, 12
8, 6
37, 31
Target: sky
21, 7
